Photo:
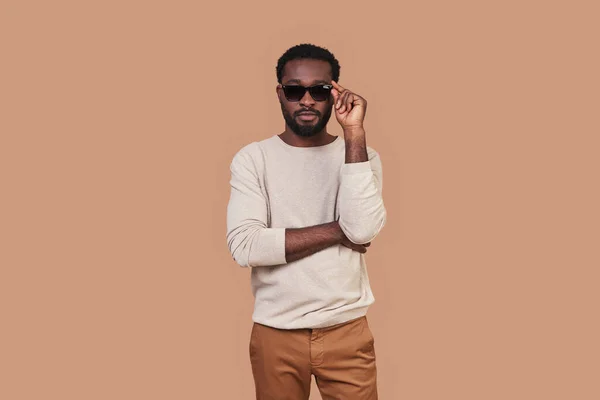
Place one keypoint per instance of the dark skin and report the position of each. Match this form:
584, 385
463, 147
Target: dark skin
302, 242
305, 72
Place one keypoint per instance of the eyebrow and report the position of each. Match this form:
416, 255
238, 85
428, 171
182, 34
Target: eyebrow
314, 82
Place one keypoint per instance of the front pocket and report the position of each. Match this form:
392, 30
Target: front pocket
252, 344
369, 335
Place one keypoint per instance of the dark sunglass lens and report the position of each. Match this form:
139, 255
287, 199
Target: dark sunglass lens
321, 92
294, 93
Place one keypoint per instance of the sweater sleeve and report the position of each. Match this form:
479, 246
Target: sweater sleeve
362, 213
251, 242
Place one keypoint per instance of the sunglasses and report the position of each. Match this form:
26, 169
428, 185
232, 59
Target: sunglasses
296, 92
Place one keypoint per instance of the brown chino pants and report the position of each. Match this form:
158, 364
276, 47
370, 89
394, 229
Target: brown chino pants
341, 357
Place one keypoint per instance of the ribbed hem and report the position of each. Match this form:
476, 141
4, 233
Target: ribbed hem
270, 249
346, 316
356, 168
280, 245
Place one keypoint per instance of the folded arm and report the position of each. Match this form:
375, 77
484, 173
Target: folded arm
360, 201
251, 242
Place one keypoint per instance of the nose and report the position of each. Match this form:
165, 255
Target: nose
307, 100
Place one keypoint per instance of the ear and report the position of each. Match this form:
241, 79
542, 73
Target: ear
278, 91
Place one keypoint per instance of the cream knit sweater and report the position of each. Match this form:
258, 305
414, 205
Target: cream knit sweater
275, 186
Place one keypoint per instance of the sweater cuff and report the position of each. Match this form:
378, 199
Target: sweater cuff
271, 250
280, 246
356, 168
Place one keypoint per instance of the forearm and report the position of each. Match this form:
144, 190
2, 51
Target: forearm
356, 145
362, 212
302, 242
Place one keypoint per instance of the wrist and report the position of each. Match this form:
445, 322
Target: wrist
355, 130
338, 232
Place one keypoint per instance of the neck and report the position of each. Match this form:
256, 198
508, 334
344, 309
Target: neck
320, 139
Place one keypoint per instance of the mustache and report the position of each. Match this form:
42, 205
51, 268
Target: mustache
307, 111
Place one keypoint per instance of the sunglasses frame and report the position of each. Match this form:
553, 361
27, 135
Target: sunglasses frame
307, 88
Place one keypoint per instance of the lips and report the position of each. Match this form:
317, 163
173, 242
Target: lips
307, 116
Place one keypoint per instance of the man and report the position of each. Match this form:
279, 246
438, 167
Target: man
304, 207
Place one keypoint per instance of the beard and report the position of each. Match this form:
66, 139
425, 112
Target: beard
306, 129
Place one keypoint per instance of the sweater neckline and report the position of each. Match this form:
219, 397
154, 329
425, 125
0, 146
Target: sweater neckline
310, 148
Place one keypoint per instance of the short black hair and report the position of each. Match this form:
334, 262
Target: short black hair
307, 50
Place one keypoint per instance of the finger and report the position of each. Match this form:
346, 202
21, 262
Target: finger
337, 86
339, 99
336, 94
349, 101
340, 102
345, 105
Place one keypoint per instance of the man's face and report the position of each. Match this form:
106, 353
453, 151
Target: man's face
306, 72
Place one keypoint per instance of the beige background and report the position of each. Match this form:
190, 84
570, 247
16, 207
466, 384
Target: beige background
118, 123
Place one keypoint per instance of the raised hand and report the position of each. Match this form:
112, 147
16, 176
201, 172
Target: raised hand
350, 108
